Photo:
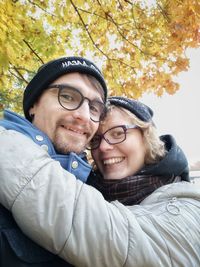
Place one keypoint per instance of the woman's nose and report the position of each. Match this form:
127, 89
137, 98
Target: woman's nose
104, 145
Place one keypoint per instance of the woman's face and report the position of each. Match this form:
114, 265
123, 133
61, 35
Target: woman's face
123, 159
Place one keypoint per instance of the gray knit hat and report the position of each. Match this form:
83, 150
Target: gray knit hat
140, 110
50, 71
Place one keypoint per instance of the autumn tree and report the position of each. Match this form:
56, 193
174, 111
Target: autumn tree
139, 46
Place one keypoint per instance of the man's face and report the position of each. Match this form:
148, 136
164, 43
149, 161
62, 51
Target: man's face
69, 131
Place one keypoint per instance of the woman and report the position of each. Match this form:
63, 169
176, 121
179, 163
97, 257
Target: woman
79, 225
131, 160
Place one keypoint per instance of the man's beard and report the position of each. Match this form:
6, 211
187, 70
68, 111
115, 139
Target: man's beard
64, 146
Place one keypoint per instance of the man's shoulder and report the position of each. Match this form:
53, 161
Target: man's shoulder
12, 133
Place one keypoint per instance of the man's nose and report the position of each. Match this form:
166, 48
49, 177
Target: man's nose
83, 112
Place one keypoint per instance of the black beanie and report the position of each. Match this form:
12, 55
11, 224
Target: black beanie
139, 109
50, 71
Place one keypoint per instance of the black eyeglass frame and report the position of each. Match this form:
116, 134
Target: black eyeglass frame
102, 136
63, 86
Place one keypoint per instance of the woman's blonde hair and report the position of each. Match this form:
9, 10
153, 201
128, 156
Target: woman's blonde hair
155, 148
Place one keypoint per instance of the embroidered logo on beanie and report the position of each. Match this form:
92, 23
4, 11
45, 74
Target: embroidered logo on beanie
80, 63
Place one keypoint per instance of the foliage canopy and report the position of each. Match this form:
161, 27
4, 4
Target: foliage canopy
139, 46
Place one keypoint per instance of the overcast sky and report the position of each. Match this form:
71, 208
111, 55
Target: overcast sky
179, 114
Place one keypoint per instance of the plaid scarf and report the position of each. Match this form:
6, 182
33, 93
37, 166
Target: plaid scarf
132, 189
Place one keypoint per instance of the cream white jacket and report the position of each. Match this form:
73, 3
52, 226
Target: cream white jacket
73, 220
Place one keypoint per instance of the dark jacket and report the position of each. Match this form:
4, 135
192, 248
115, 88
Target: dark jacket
16, 250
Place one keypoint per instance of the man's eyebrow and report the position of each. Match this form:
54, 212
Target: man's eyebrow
96, 98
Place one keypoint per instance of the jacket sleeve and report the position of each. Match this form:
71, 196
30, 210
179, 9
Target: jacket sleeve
61, 213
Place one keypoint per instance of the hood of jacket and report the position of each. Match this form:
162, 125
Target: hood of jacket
174, 163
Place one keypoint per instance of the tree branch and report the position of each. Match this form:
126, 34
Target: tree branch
29, 46
123, 37
163, 12
129, 2
20, 77
92, 40
120, 5
86, 28
37, 5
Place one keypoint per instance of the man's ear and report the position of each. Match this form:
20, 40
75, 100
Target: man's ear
32, 113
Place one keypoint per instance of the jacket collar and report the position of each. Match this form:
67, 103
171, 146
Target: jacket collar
76, 164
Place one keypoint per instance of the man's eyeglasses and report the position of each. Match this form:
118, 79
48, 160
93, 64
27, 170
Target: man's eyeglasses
71, 98
112, 136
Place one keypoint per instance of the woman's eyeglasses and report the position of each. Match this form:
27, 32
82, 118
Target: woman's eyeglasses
112, 136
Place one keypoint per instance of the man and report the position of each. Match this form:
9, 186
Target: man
63, 105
